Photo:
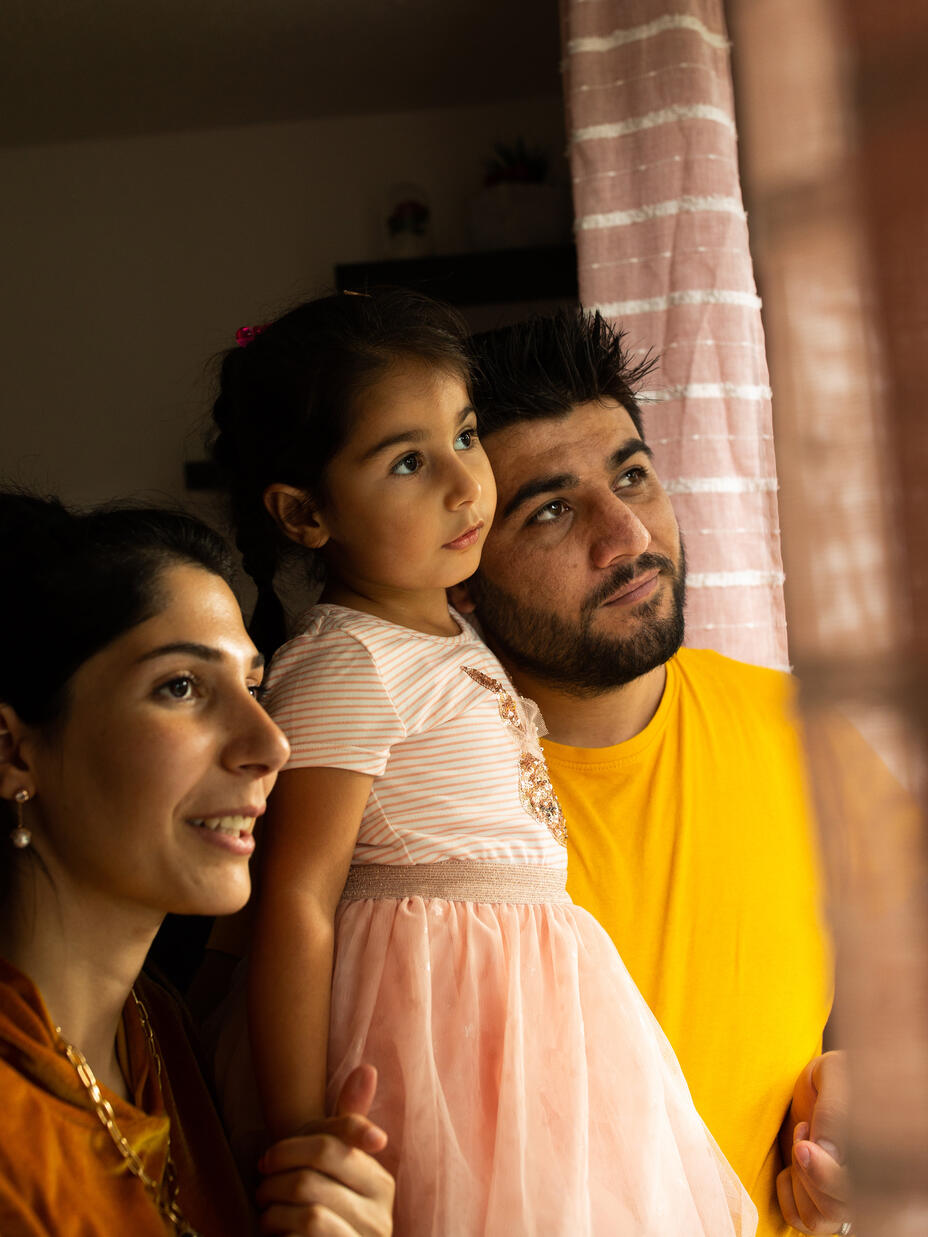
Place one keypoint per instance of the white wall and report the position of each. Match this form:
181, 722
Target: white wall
129, 264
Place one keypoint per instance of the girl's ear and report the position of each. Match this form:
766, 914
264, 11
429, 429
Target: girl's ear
296, 515
15, 771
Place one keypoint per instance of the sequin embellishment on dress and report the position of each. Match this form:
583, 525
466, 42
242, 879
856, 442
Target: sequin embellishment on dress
536, 793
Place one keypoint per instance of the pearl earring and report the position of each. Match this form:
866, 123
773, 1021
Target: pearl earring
21, 836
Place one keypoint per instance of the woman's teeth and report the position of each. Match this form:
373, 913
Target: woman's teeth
226, 824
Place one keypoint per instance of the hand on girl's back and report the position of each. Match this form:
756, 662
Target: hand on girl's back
323, 1182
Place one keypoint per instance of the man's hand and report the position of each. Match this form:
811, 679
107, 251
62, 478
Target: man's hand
323, 1182
814, 1189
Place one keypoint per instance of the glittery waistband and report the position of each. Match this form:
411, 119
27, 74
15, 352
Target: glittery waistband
457, 881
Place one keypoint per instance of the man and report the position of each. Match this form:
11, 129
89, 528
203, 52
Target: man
679, 770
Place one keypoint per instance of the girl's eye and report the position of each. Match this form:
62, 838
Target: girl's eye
549, 512
408, 465
180, 688
466, 439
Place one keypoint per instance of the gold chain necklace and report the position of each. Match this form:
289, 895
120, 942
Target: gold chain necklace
164, 1196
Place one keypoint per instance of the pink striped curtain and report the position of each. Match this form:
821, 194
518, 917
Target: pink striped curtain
663, 250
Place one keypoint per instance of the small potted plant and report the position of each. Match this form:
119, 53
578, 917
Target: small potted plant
518, 204
408, 222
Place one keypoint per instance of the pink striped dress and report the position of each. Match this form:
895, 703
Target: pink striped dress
524, 1084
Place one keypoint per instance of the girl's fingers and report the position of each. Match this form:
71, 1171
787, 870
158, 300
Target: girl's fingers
357, 1093
305, 1165
308, 1221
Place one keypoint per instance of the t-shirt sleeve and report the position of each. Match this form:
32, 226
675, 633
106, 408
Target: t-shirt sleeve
325, 693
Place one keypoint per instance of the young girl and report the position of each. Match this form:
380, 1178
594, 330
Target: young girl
414, 857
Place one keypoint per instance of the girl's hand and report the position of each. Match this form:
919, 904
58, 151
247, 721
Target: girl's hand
322, 1182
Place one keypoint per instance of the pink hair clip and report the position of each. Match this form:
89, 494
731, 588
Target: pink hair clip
247, 334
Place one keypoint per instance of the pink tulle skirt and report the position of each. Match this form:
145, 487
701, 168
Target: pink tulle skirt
526, 1087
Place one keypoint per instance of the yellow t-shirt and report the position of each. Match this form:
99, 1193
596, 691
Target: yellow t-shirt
693, 845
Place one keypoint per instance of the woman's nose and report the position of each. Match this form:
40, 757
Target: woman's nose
259, 744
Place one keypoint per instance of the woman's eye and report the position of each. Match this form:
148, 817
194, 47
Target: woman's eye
180, 688
549, 512
408, 465
466, 439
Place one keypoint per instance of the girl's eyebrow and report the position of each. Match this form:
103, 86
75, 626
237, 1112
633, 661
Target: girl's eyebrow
190, 648
416, 435
391, 440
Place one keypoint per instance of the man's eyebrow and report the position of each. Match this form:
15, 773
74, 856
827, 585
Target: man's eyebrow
539, 485
412, 435
567, 480
630, 447
204, 652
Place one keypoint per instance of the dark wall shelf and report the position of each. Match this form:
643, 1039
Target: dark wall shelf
496, 277
491, 278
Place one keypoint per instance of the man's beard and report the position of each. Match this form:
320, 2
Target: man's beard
569, 654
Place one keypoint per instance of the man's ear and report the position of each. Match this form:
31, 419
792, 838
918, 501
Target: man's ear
296, 515
15, 766
461, 597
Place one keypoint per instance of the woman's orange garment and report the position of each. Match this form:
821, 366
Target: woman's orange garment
59, 1169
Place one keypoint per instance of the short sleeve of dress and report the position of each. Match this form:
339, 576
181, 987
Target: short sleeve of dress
325, 693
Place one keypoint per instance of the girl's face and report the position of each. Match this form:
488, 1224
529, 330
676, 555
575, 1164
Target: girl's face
146, 794
410, 497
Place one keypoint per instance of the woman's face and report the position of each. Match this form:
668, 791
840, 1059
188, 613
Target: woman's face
146, 794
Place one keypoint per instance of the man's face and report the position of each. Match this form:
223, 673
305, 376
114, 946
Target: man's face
581, 583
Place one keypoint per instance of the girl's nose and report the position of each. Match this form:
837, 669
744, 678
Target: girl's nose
618, 534
463, 485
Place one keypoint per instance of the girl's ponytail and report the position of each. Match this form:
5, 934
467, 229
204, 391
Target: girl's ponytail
284, 409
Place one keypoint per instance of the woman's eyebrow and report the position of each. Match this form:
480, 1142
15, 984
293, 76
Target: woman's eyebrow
205, 652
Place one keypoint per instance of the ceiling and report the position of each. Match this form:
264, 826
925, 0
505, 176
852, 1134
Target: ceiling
72, 69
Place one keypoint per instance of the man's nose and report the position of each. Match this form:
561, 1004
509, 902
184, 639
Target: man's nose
618, 533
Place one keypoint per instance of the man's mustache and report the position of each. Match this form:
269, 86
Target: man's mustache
625, 573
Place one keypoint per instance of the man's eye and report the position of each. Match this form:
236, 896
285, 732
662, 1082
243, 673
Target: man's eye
257, 691
407, 465
466, 439
632, 476
550, 511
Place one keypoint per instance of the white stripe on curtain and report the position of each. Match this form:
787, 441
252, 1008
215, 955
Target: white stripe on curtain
663, 249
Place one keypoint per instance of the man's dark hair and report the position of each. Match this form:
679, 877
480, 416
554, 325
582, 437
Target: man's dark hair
546, 366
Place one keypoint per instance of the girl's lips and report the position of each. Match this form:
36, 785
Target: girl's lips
465, 540
638, 590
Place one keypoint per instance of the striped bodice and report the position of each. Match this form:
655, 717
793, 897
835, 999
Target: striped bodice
355, 692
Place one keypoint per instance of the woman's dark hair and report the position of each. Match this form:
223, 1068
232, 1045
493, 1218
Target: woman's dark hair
74, 581
286, 403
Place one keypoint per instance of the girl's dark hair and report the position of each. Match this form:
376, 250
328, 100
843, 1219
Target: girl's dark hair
75, 581
286, 403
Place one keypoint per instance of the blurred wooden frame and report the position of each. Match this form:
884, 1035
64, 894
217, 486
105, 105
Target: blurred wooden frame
833, 122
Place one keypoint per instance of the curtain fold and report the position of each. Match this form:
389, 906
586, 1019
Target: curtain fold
663, 250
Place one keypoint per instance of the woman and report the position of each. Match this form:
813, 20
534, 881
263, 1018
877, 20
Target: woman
134, 762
